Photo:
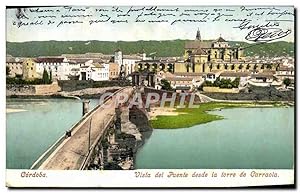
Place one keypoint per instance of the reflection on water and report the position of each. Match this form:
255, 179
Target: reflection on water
29, 133
252, 138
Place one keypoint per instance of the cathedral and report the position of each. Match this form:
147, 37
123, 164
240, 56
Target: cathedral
202, 56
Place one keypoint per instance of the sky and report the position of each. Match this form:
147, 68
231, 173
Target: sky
133, 31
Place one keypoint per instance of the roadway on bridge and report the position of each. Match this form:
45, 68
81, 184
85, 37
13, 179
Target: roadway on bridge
72, 152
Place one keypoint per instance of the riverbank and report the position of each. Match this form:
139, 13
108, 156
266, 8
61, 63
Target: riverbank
163, 111
9, 110
255, 93
188, 117
88, 93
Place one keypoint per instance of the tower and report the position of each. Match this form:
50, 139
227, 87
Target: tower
119, 60
198, 35
118, 57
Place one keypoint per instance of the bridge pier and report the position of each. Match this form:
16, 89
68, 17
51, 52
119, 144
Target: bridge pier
85, 107
112, 136
101, 157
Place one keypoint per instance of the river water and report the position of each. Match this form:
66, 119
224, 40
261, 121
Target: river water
246, 138
249, 138
29, 133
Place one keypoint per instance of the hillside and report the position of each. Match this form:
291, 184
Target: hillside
162, 48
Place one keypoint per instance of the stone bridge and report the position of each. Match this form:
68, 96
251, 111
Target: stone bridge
105, 138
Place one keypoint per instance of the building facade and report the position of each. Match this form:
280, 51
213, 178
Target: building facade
59, 68
113, 71
30, 69
15, 66
95, 72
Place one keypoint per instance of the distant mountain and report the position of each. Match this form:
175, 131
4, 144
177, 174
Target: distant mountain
162, 48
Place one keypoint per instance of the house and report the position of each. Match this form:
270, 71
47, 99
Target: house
15, 66
113, 71
211, 77
127, 62
180, 83
59, 68
261, 79
198, 78
95, 72
231, 75
29, 69
100, 72
285, 72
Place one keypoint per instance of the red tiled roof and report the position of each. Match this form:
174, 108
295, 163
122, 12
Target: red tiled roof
235, 74
49, 60
197, 44
220, 39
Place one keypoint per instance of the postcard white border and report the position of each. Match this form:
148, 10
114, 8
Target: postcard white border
148, 178
61, 176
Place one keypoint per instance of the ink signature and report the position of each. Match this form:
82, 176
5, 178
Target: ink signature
266, 34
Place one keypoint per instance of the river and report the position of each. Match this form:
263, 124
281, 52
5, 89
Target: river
33, 125
248, 138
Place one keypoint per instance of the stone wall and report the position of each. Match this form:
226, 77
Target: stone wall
47, 89
72, 85
42, 89
19, 89
220, 90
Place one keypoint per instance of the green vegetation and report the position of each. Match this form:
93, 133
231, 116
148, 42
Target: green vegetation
46, 79
287, 82
21, 81
165, 85
162, 48
7, 70
50, 76
223, 83
189, 117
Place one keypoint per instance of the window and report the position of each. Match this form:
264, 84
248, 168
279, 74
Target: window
31, 68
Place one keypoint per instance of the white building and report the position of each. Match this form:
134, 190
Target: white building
15, 66
59, 67
94, 71
231, 75
127, 62
261, 79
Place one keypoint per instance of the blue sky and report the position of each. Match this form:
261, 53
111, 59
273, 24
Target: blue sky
133, 31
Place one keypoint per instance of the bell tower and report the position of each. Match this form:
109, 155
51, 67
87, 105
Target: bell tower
198, 35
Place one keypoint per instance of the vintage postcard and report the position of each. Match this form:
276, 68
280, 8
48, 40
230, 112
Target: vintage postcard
150, 96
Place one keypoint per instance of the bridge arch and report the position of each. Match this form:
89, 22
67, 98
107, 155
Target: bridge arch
162, 66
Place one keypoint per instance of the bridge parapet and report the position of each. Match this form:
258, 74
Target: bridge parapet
74, 152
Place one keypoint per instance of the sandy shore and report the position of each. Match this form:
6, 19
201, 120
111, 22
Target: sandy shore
167, 111
14, 110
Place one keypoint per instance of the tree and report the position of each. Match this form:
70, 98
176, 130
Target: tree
165, 85
45, 77
7, 70
269, 66
287, 82
50, 77
236, 82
